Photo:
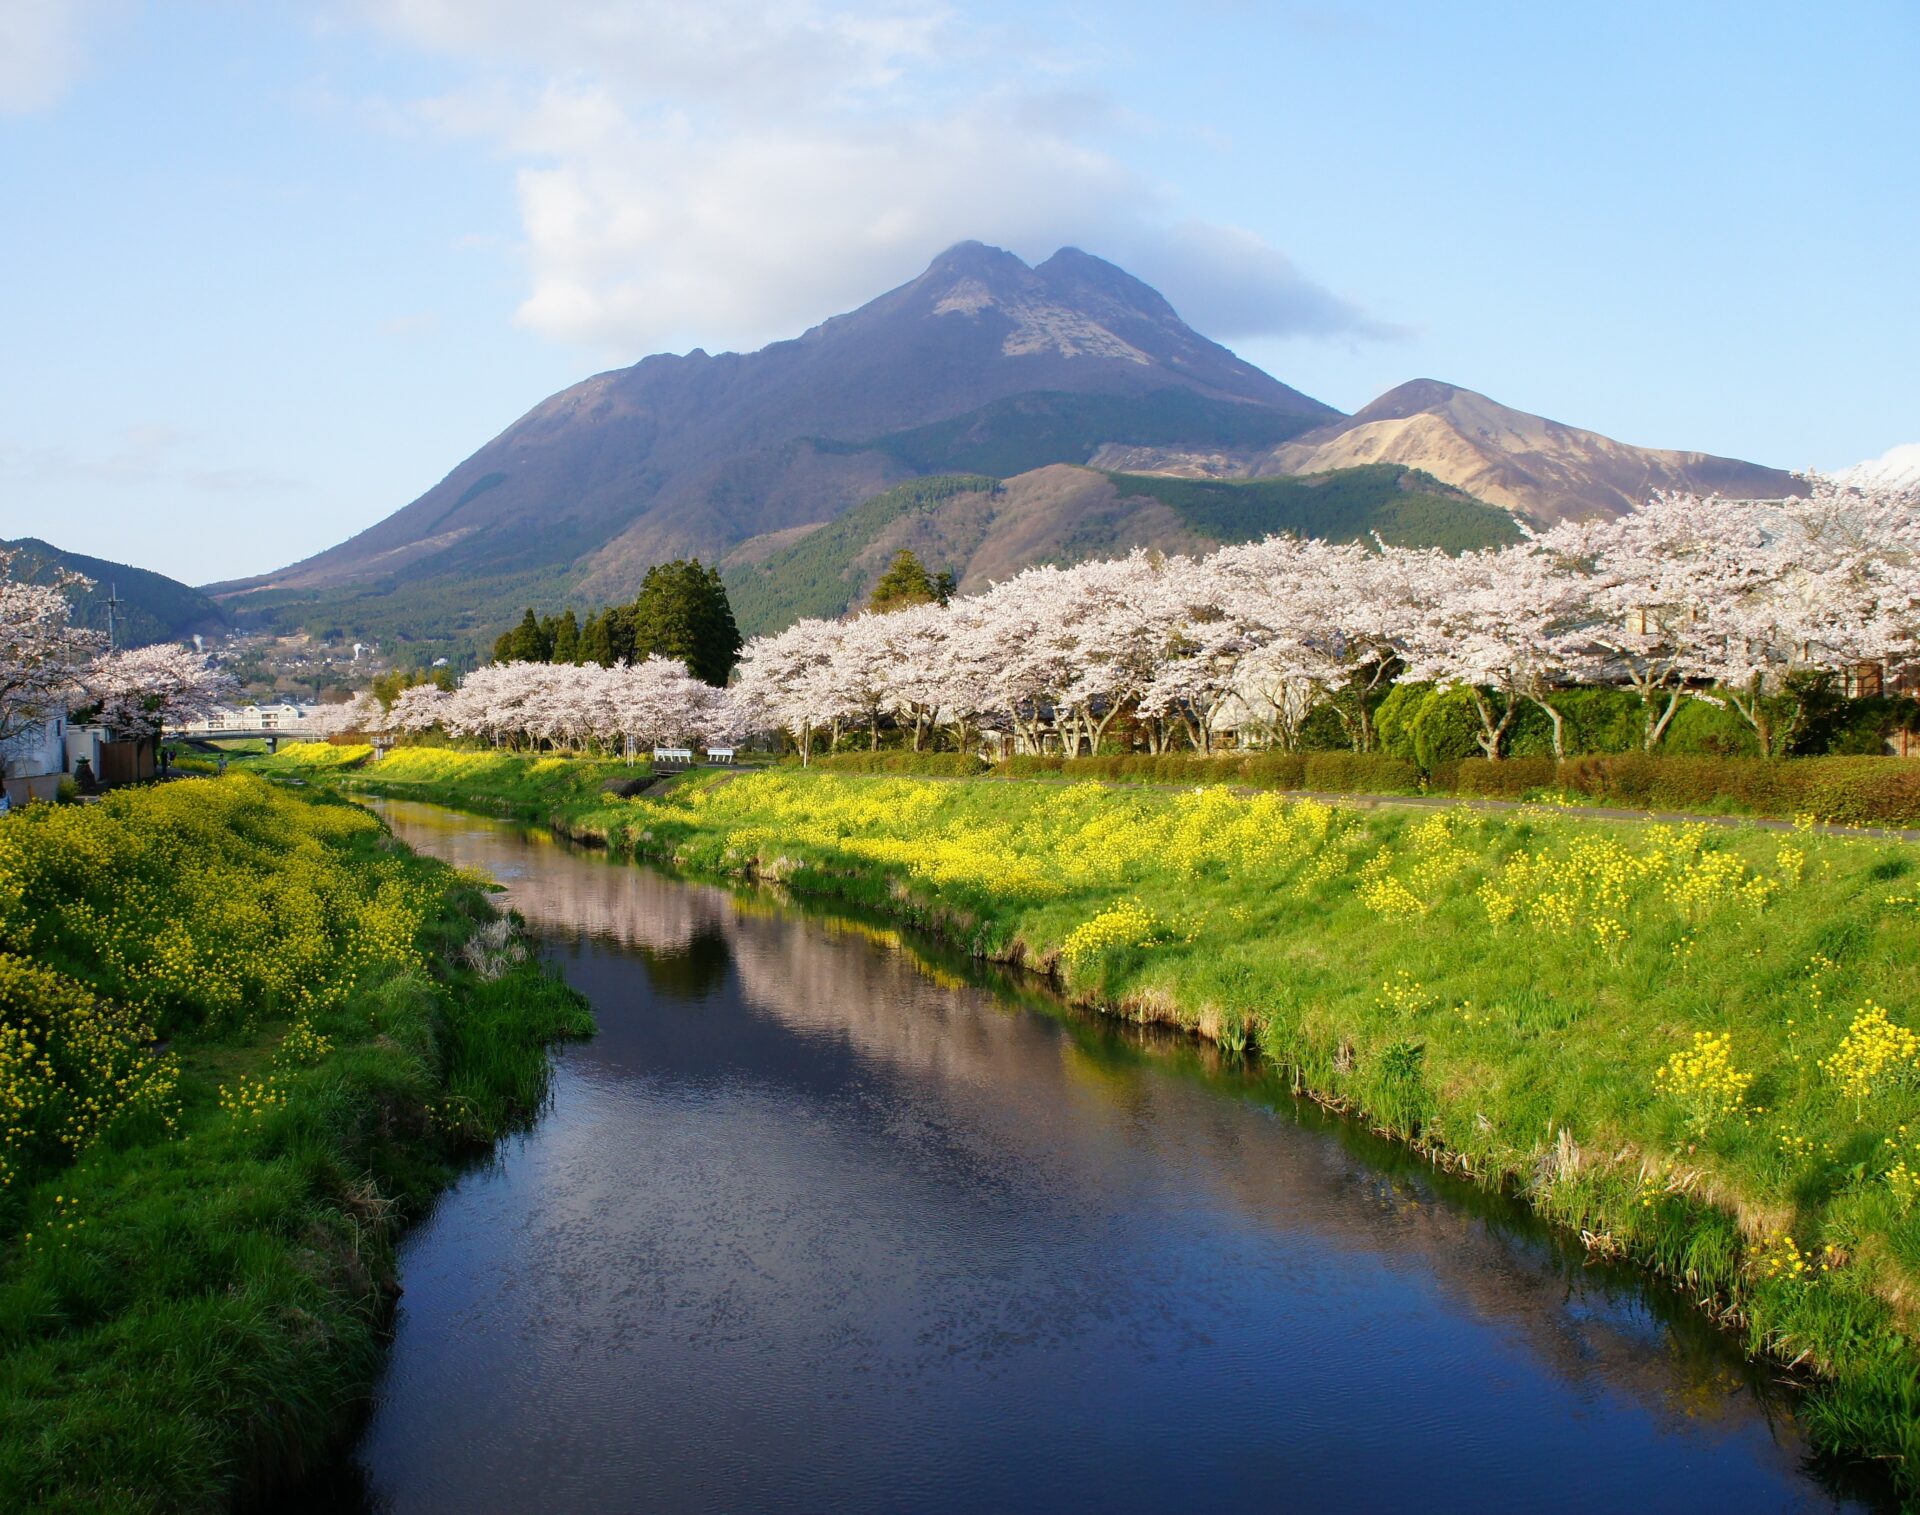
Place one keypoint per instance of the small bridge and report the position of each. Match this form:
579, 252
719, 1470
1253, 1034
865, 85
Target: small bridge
208, 738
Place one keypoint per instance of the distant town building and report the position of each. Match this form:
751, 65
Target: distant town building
275, 718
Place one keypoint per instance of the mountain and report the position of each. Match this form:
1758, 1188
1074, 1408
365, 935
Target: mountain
1543, 470
980, 366
1898, 467
153, 607
984, 529
980, 363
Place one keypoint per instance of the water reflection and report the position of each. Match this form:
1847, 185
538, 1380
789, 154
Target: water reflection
816, 1222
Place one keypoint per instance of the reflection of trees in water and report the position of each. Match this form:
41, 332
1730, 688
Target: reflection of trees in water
1094, 1108
690, 972
562, 891
1089, 1104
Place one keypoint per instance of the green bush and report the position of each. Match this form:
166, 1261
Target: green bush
1361, 773
1393, 721
1324, 731
1445, 729
1702, 729
1858, 728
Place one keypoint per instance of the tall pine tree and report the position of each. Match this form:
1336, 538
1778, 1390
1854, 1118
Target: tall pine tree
681, 612
907, 582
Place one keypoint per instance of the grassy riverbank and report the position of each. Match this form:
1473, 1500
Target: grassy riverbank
512, 785
1686, 1042
261, 1036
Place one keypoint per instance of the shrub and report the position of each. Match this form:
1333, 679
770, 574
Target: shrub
1444, 729
1393, 721
1700, 729
1361, 773
1858, 728
1855, 791
1598, 720
1324, 731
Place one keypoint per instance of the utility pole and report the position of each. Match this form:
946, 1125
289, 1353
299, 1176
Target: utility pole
114, 602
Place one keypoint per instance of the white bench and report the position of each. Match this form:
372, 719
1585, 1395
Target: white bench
719, 754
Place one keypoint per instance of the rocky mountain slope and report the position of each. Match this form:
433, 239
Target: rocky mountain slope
982, 365
1541, 469
979, 362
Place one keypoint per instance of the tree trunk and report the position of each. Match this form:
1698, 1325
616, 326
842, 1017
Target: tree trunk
1493, 734
1559, 727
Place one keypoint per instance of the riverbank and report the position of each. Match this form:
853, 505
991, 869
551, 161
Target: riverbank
1687, 1044
266, 1035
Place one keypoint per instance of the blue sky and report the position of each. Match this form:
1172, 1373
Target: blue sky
271, 269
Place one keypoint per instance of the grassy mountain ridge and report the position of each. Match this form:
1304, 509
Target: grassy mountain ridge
1407, 507
983, 529
153, 607
819, 574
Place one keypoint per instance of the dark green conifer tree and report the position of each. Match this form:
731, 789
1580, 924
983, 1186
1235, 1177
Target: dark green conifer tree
596, 643
681, 612
907, 582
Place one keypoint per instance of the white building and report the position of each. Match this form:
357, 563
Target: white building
31, 761
275, 718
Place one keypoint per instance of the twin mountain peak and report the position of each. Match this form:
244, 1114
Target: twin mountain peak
981, 366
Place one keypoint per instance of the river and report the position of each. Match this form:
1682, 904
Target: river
821, 1221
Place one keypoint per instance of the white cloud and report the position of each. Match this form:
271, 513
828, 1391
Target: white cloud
43, 49
727, 173
1897, 466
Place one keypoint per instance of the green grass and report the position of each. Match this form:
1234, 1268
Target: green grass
190, 1316
514, 786
1359, 950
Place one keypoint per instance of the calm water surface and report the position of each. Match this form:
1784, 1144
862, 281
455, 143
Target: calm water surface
815, 1223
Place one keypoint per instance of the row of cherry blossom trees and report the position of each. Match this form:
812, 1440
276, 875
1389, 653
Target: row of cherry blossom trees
578, 708
1687, 597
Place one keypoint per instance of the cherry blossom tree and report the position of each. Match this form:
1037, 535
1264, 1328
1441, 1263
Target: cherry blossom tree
417, 708
1507, 624
1653, 581
361, 713
41, 650
144, 690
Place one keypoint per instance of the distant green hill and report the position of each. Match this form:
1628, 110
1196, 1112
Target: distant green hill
452, 617
1406, 507
983, 529
153, 607
818, 575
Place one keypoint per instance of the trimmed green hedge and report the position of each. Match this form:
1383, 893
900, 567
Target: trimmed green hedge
926, 764
1346, 772
1857, 791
